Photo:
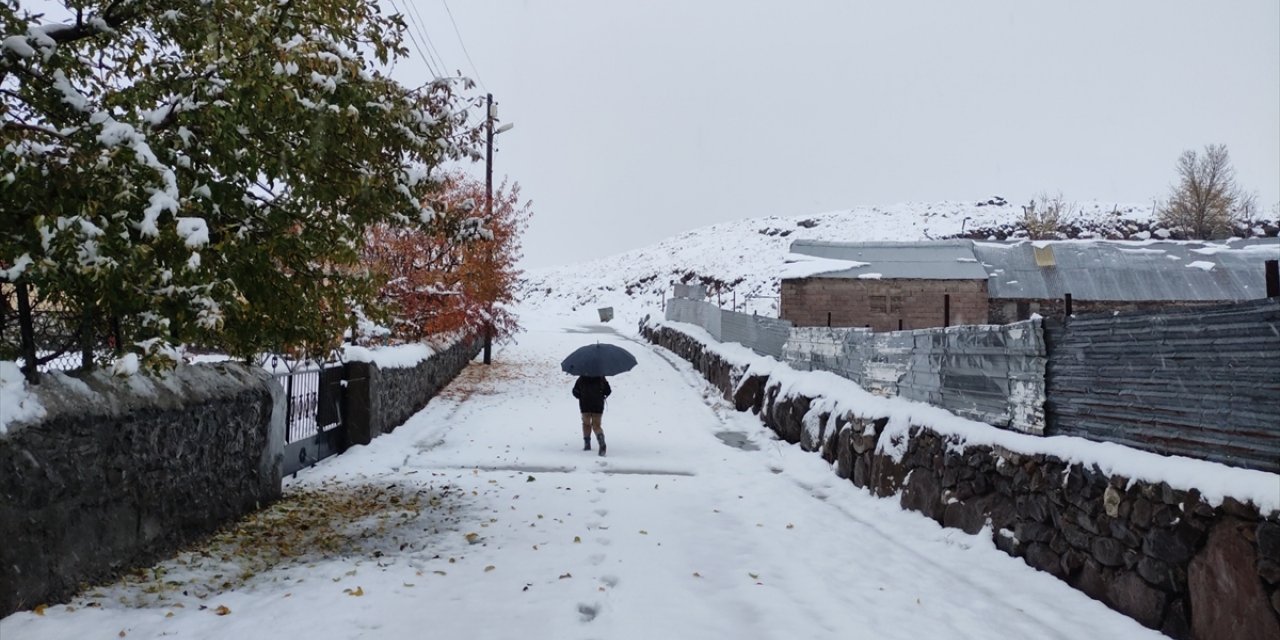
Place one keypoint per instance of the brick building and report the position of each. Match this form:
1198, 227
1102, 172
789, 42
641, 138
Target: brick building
887, 286
916, 285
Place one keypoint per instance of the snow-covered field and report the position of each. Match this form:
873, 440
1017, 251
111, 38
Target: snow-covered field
483, 518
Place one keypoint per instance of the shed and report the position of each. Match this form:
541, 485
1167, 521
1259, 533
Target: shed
1104, 275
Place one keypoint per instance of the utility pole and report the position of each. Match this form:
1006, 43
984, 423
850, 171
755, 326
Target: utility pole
489, 114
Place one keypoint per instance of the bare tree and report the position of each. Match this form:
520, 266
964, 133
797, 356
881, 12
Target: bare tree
1248, 212
1042, 218
1206, 202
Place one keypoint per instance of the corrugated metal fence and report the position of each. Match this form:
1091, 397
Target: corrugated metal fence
763, 335
990, 373
1204, 383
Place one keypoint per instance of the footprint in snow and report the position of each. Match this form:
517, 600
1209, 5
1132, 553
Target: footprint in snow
596, 558
609, 581
602, 512
588, 611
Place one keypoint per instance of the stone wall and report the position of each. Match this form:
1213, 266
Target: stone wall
124, 470
1162, 556
881, 304
381, 399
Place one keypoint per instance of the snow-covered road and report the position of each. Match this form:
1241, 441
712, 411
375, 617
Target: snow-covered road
697, 525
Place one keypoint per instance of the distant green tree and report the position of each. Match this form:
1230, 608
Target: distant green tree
206, 170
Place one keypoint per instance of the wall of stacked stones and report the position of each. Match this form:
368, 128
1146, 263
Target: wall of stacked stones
400, 393
122, 471
1165, 557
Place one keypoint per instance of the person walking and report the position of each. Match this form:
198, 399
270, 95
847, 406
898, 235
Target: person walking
591, 392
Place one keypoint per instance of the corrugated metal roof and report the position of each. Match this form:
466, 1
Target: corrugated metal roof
1087, 269
1129, 271
950, 260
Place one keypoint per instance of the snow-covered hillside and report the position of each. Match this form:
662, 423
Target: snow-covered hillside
740, 260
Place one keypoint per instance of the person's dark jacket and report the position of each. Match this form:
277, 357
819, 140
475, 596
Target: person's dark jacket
591, 392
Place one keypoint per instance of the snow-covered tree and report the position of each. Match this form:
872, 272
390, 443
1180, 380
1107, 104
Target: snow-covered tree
433, 283
205, 171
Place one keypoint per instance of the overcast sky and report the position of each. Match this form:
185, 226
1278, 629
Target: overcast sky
637, 120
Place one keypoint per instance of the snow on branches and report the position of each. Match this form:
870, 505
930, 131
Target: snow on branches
207, 173
458, 280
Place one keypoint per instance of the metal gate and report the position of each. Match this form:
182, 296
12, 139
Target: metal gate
314, 412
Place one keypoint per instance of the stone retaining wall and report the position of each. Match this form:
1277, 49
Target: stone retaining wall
401, 393
124, 470
1162, 556
381, 399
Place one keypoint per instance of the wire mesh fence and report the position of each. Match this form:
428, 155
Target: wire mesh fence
45, 335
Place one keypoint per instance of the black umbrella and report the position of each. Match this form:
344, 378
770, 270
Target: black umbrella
598, 360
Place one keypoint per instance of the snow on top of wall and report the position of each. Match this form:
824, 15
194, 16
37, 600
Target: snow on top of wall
110, 393
404, 355
833, 393
396, 357
17, 403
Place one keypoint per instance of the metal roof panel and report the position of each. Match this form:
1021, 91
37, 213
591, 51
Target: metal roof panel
1112, 270
951, 260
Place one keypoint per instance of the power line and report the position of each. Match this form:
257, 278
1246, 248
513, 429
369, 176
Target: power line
426, 34
464, 44
429, 50
417, 46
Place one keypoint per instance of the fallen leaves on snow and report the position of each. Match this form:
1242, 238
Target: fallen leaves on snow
308, 524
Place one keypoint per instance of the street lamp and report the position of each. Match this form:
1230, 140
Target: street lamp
491, 114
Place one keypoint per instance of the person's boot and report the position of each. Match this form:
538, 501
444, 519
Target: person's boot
586, 443
600, 438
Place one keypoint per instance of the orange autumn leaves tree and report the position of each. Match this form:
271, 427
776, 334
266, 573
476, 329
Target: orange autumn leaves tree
458, 280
